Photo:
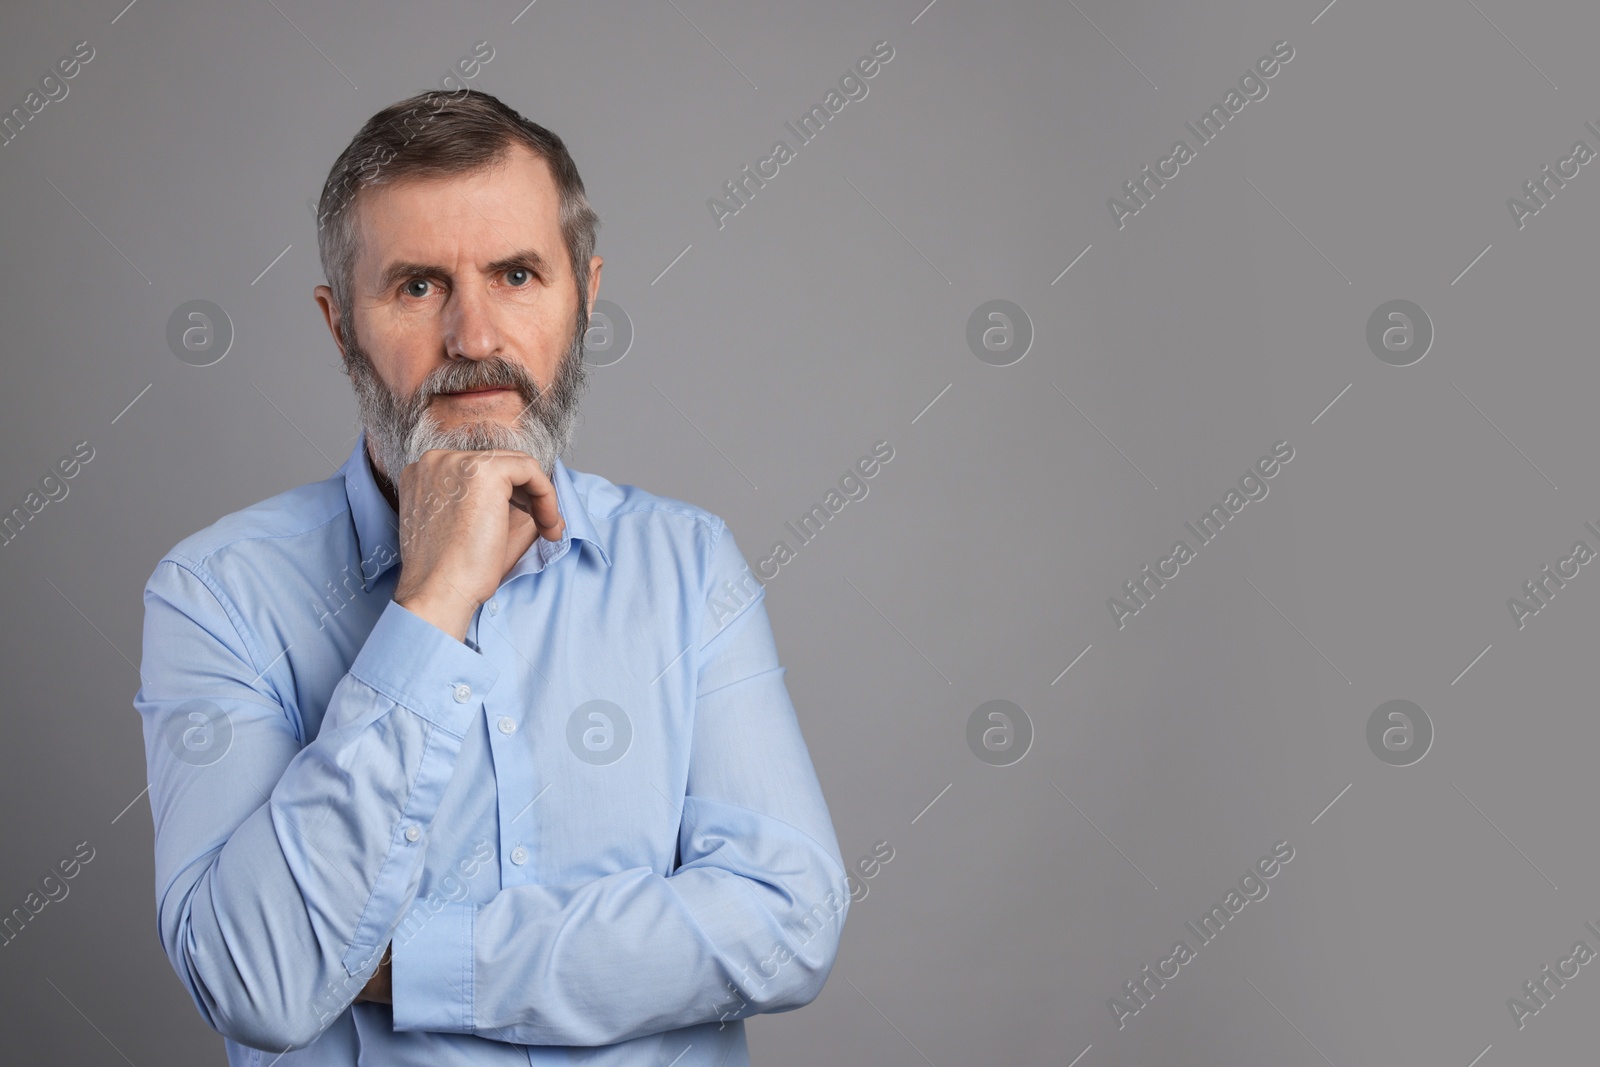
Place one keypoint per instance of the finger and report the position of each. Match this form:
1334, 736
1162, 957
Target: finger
522, 500
531, 490
524, 484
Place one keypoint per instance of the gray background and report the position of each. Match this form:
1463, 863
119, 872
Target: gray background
825, 317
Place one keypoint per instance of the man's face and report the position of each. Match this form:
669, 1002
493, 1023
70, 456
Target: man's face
465, 315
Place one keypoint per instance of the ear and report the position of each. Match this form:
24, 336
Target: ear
594, 278
330, 314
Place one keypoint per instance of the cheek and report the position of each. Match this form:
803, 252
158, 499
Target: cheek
543, 336
403, 350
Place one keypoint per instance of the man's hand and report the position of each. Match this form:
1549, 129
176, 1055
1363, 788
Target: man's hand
465, 519
380, 987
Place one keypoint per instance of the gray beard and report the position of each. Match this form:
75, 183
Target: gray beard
399, 430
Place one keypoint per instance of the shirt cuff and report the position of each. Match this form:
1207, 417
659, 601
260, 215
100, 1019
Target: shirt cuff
430, 971
419, 666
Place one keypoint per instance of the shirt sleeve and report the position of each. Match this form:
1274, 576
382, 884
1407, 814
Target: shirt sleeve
748, 923
282, 866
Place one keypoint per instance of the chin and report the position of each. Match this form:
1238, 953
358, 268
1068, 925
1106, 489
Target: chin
474, 402
466, 422
449, 417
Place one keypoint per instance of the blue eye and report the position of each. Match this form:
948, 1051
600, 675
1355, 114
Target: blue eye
410, 291
519, 270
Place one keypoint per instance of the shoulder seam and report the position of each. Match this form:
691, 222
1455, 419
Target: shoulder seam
345, 510
673, 507
204, 577
252, 646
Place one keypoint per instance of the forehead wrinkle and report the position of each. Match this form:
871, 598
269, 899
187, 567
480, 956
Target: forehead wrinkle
381, 203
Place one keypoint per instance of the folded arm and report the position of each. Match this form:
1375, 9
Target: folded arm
749, 922
282, 867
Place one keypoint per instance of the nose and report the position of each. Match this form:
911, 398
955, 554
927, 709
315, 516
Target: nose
471, 326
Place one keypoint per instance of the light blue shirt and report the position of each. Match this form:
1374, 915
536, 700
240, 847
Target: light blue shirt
595, 823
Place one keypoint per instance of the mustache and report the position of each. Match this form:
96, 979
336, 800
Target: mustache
476, 374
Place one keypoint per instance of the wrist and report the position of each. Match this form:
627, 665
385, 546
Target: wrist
450, 613
380, 987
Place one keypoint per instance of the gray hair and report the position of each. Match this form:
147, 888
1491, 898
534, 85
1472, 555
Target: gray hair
431, 135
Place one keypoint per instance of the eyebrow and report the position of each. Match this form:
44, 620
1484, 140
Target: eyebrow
397, 272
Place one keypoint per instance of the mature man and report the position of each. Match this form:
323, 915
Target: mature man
461, 756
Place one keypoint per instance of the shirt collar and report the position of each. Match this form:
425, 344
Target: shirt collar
377, 523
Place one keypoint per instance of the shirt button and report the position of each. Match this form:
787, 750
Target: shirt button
494, 607
506, 725
519, 855
412, 833
463, 693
